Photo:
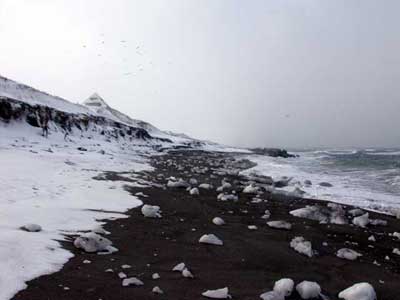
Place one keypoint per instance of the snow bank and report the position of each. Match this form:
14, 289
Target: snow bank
38, 184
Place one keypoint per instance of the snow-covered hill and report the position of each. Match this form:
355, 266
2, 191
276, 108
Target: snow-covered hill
21, 92
20, 103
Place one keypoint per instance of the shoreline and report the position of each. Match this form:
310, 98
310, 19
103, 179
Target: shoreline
372, 193
249, 262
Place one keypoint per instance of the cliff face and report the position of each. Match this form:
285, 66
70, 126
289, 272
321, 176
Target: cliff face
12, 110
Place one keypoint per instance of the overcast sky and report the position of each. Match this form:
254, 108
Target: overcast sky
298, 73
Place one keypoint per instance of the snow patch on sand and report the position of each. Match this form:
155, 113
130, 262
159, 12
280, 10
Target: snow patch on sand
38, 184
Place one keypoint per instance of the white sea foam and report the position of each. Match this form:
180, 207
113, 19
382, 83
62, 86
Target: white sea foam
374, 189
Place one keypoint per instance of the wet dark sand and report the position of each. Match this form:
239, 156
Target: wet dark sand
248, 263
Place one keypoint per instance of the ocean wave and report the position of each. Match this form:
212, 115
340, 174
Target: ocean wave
371, 188
386, 153
336, 152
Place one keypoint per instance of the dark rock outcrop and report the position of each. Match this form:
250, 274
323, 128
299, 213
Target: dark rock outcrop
274, 152
69, 123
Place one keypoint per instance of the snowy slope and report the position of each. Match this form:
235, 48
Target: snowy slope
97, 105
27, 94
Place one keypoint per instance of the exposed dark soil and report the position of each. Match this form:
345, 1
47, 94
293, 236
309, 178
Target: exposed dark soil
249, 262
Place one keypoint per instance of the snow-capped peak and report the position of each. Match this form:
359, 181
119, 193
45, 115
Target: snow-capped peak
95, 101
100, 107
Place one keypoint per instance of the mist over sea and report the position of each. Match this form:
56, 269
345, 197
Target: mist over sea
368, 178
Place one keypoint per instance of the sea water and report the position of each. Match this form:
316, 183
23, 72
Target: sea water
368, 178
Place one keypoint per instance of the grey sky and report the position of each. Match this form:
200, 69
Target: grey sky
295, 73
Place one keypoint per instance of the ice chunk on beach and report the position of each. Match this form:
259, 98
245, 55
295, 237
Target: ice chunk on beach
282, 182
361, 221
302, 246
284, 286
378, 222
32, 227
280, 225
396, 251
308, 290
311, 213
272, 295
218, 221
187, 274
332, 213
217, 294
132, 281
224, 197
250, 189
178, 184
150, 211
256, 200
210, 239
155, 276
194, 192
100, 230
93, 242
205, 186
348, 254
179, 267
157, 290
355, 212
267, 215
193, 181
225, 186
359, 291
126, 266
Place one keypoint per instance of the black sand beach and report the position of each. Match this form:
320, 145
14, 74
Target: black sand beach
248, 263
